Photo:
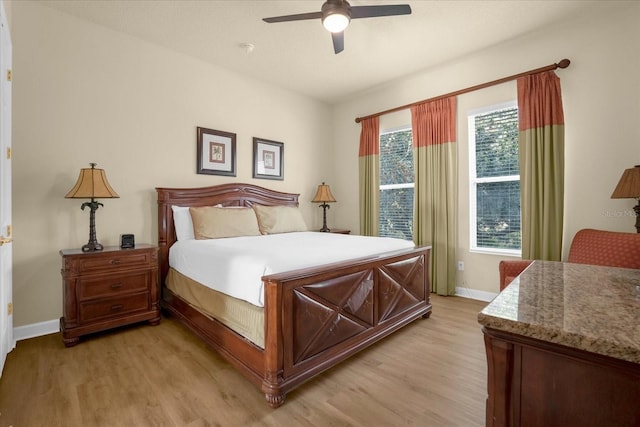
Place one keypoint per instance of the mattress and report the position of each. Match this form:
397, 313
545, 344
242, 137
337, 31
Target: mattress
235, 266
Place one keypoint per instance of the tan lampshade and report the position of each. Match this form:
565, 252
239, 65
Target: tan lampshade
92, 183
323, 195
629, 185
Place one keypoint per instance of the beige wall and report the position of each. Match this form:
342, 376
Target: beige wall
83, 93
601, 94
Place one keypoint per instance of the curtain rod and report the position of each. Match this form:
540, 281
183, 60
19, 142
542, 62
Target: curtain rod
562, 64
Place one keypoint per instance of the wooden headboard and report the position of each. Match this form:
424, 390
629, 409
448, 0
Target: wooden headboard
225, 194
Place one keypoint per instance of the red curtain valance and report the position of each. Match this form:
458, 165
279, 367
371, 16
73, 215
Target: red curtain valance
546, 110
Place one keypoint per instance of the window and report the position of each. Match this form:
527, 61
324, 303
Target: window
494, 180
396, 184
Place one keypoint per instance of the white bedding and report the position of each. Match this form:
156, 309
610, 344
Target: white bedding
236, 265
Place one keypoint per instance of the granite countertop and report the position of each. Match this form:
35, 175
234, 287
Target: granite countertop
587, 307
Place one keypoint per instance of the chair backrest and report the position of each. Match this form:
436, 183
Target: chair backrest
609, 248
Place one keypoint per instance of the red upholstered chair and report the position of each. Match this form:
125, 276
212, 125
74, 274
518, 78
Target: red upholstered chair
595, 247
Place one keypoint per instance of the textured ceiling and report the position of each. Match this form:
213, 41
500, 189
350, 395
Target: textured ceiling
299, 55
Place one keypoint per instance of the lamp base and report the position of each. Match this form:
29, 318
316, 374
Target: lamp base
636, 208
324, 207
92, 246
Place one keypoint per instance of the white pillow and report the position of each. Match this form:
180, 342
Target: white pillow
183, 223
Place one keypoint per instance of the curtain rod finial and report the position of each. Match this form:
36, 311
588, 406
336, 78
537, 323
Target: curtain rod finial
564, 63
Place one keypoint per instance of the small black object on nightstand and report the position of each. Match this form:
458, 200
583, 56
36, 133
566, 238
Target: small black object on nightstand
127, 241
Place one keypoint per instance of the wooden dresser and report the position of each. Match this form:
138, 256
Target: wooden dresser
107, 289
563, 348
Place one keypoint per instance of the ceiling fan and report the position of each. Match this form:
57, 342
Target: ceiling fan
336, 15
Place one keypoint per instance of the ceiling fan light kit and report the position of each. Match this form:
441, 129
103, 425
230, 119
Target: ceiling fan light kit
335, 23
336, 15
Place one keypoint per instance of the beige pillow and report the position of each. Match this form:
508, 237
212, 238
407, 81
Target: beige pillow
210, 222
279, 219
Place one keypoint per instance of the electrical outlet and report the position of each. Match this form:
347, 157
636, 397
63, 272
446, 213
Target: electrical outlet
460, 265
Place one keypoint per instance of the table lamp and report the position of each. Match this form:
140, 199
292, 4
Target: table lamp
629, 188
324, 196
92, 183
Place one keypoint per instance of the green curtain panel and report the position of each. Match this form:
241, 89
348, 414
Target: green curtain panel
436, 183
369, 172
541, 145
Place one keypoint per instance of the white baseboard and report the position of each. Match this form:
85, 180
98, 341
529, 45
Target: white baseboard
36, 330
475, 294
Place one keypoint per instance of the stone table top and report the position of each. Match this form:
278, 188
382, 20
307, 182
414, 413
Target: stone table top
591, 308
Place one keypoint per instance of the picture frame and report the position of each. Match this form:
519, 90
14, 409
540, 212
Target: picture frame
268, 159
216, 152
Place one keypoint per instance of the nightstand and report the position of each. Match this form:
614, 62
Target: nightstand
108, 288
337, 231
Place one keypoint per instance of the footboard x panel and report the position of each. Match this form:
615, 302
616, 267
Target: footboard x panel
326, 316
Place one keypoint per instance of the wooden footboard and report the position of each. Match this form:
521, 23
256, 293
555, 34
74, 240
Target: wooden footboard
318, 317
315, 318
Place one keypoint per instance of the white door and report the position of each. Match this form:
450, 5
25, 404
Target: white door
7, 342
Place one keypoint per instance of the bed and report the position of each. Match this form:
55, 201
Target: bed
310, 322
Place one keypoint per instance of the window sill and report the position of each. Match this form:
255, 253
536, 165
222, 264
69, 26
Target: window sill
495, 251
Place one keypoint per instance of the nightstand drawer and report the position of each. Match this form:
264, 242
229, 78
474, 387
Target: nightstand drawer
115, 260
113, 285
113, 307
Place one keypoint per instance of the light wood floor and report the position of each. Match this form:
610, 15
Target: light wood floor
430, 373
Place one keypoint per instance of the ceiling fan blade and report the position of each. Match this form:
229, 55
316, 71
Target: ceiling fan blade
383, 10
298, 17
338, 41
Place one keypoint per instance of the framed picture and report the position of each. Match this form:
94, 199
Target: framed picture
216, 152
268, 159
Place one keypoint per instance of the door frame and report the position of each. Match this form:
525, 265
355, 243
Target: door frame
7, 339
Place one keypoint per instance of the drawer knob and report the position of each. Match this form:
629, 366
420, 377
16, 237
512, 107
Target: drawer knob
115, 261
116, 285
117, 307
